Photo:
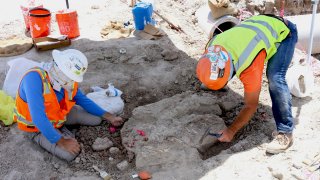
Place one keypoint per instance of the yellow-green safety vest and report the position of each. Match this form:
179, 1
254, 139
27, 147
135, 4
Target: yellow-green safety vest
247, 39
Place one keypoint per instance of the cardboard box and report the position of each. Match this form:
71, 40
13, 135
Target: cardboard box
47, 43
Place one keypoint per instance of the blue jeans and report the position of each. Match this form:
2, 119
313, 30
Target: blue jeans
276, 73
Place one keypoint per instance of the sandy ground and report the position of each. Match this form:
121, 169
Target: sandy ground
157, 90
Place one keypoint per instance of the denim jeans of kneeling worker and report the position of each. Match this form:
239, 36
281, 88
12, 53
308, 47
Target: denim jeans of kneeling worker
276, 73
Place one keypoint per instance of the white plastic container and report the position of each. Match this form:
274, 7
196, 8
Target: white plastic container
210, 25
299, 76
151, 2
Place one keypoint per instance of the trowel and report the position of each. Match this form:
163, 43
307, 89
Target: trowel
209, 145
208, 140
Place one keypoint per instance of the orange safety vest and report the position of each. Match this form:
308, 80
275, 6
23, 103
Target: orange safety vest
55, 111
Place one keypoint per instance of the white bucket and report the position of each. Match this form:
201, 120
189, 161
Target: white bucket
299, 76
210, 25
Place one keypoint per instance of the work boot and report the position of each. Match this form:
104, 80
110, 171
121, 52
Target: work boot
280, 143
207, 141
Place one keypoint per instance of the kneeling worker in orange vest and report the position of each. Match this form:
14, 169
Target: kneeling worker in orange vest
49, 97
242, 51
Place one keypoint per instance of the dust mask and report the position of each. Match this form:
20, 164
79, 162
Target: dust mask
59, 80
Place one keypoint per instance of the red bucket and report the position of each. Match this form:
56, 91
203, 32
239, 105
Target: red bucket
39, 20
25, 12
68, 23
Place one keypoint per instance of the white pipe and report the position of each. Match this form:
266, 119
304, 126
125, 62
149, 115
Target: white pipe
210, 25
314, 11
304, 29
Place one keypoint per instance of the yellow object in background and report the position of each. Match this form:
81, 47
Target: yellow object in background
6, 108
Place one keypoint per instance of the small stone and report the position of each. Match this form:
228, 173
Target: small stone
277, 175
83, 160
227, 106
114, 150
95, 7
194, 20
184, 73
102, 144
176, 82
56, 166
123, 165
169, 55
77, 160
111, 159
123, 58
122, 51
131, 156
297, 165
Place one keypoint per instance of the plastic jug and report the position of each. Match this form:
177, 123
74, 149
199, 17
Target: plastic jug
142, 15
152, 2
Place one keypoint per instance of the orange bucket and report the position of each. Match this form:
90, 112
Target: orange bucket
68, 23
25, 13
39, 20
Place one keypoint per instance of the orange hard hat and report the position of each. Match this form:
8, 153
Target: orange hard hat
215, 67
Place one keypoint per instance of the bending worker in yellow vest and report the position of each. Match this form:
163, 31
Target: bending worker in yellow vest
49, 97
242, 51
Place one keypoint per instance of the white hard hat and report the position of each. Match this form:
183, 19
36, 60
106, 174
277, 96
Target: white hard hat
71, 62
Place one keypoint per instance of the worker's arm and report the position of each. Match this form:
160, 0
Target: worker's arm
95, 109
251, 79
31, 90
251, 103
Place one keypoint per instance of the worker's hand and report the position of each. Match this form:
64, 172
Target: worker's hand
114, 120
71, 145
226, 135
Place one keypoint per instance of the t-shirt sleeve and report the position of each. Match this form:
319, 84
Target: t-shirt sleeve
252, 76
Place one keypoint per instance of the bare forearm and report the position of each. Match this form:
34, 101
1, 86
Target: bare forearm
107, 116
243, 118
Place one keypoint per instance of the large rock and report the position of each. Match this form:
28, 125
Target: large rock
101, 144
173, 128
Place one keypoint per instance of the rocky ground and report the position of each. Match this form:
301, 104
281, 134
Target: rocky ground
163, 100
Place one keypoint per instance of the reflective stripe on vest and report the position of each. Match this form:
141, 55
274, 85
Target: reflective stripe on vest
273, 32
46, 84
21, 119
264, 33
70, 93
252, 44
